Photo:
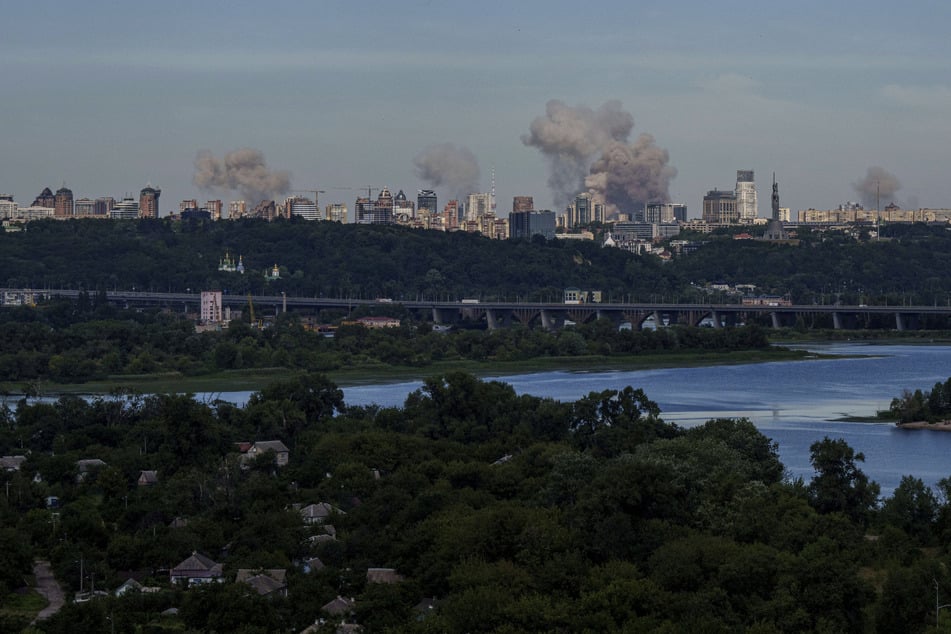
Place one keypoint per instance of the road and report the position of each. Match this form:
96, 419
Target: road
48, 586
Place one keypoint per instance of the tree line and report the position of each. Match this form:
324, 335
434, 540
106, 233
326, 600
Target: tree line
333, 260
89, 339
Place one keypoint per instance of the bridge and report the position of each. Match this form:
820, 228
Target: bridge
549, 315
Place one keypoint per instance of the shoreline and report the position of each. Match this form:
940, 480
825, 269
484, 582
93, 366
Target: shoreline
252, 380
941, 425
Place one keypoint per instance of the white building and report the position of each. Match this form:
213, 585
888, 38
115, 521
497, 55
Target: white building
125, 209
8, 208
746, 204
303, 207
336, 212
478, 206
211, 307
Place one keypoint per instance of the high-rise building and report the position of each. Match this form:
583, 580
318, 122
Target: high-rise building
336, 212
302, 207
211, 307
214, 208
746, 206
125, 209
523, 203
375, 212
426, 199
403, 208
719, 207
63, 202
8, 208
525, 224
104, 206
237, 209
582, 214
149, 202
84, 208
45, 199
665, 213
187, 204
478, 206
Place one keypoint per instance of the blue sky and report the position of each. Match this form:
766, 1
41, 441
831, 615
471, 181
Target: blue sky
106, 96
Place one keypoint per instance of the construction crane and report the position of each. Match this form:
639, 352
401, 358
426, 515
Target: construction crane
254, 324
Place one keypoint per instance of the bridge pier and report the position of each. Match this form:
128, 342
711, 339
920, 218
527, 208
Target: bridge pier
899, 321
777, 323
837, 321
552, 320
715, 318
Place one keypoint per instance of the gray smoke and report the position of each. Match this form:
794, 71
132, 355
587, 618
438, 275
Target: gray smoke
588, 150
626, 177
877, 188
454, 168
243, 170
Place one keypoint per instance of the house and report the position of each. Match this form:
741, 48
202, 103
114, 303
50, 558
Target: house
279, 449
129, 585
318, 513
267, 583
87, 466
313, 564
12, 463
383, 575
340, 606
147, 478
196, 569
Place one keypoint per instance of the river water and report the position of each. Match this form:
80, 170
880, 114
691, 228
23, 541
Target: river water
794, 403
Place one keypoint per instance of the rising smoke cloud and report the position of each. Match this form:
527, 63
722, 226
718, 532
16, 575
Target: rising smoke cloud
244, 171
454, 168
878, 187
588, 150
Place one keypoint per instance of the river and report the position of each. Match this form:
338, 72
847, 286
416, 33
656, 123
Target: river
792, 402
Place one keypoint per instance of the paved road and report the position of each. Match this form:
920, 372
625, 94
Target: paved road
48, 586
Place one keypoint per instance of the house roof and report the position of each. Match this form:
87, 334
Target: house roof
148, 476
264, 582
269, 445
321, 510
278, 574
89, 463
197, 565
339, 606
12, 463
383, 575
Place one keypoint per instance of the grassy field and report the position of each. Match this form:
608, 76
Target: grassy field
242, 380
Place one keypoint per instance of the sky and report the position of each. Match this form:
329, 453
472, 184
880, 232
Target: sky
106, 97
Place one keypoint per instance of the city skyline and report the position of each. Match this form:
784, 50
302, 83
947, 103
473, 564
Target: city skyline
108, 98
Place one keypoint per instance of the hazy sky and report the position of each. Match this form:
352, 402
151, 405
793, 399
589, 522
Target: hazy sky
106, 96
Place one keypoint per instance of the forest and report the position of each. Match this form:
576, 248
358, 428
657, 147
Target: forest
501, 513
333, 260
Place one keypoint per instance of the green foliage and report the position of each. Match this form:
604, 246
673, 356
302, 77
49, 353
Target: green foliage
519, 514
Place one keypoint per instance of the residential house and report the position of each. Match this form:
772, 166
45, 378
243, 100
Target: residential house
267, 583
87, 466
319, 513
148, 478
196, 569
279, 449
383, 575
12, 463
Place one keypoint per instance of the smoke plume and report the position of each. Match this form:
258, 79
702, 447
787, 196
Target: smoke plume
243, 170
628, 176
878, 187
588, 150
454, 168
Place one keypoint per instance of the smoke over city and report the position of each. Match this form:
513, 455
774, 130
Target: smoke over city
588, 150
878, 187
244, 171
454, 168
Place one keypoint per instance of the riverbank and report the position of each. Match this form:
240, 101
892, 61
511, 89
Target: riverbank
941, 425
255, 379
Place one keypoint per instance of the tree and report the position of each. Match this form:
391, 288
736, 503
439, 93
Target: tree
913, 508
839, 485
